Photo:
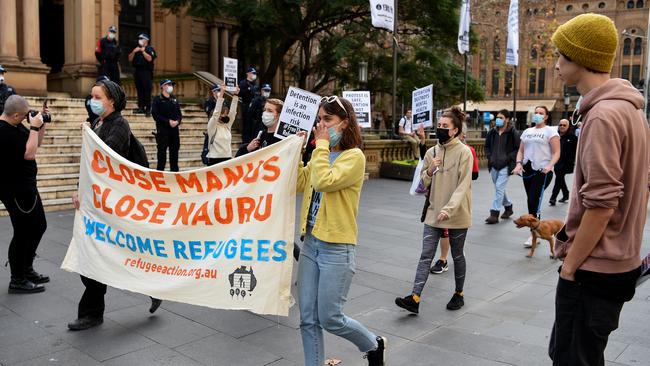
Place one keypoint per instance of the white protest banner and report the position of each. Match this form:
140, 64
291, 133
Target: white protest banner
422, 102
230, 73
383, 14
298, 113
512, 47
361, 102
220, 236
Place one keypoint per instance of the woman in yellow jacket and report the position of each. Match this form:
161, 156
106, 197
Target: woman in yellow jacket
447, 172
331, 183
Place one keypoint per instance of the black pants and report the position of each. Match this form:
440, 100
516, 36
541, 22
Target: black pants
172, 141
212, 161
92, 301
560, 185
143, 79
247, 129
582, 326
111, 70
535, 182
29, 224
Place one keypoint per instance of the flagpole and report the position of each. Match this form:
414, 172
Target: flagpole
514, 95
465, 97
394, 70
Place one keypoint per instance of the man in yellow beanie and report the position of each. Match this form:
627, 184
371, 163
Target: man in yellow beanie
601, 241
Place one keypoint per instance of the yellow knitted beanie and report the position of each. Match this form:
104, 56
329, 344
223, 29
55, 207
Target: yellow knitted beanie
590, 40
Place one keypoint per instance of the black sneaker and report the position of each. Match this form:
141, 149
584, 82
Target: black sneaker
440, 267
36, 277
155, 304
378, 356
552, 202
456, 302
24, 286
85, 323
564, 200
408, 303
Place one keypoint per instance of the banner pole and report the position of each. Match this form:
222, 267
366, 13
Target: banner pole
394, 71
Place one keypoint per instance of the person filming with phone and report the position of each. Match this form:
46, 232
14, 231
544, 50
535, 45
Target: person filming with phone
19, 143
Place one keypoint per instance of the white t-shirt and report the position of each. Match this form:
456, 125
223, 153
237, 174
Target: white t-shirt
407, 124
537, 146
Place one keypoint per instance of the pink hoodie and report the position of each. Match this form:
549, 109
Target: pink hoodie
612, 164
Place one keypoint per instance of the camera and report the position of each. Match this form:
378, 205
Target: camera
47, 118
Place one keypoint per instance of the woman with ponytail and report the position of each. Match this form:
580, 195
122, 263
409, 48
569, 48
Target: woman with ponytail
447, 172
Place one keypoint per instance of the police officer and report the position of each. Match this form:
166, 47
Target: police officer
142, 59
247, 90
19, 194
257, 108
5, 90
108, 54
211, 102
166, 112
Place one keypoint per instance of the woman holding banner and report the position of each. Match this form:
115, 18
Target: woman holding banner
108, 101
331, 185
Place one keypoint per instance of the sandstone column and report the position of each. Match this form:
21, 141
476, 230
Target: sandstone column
31, 36
8, 32
214, 51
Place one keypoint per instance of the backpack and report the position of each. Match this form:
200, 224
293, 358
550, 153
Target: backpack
137, 153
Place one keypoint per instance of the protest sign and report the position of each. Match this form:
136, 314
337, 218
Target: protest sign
221, 236
422, 102
298, 113
361, 102
382, 13
230, 73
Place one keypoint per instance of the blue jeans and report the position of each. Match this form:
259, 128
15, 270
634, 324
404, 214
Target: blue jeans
500, 180
325, 272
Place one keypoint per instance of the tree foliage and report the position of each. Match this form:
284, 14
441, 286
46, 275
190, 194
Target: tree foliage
327, 39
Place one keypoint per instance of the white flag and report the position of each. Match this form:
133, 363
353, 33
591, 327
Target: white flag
463, 29
383, 13
512, 49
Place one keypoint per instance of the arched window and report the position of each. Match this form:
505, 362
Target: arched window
533, 53
639, 3
496, 50
630, 4
601, 5
627, 46
637, 46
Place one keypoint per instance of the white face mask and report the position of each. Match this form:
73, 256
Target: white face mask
2, 79
169, 89
253, 77
111, 36
268, 118
266, 94
141, 42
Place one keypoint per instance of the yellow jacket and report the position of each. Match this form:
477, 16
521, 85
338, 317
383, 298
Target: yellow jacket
340, 183
220, 145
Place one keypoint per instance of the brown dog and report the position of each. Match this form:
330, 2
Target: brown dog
545, 229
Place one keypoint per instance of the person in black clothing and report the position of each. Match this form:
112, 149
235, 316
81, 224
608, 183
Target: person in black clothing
19, 194
247, 91
108, 101
91, 115
211, 102
257, 108
166, 112
108, 54
564, 166
501, 146
5, 90
142, 59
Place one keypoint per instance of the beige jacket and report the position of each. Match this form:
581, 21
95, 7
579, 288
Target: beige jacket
450, 187
220, 145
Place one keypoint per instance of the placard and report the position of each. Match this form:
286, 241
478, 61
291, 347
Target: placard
298, 113
422, 102
361, 102
230, 73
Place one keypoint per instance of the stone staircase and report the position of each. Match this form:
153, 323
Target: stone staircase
58, 157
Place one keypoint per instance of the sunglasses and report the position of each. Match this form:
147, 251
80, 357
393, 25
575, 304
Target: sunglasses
333, 99
564, 126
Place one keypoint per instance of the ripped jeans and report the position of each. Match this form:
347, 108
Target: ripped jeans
430, 238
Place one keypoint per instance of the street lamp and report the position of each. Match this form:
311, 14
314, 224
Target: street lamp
567, 101
363, 72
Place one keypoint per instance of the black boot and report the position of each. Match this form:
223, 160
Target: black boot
493, 219
36, 277
155, 304
24, 286
507, 213
85, 323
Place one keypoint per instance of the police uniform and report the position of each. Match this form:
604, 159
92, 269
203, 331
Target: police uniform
108, 54
163, 109
143, 76
255, 111
247, 91
5, 91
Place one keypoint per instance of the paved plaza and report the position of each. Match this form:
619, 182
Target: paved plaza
506, 320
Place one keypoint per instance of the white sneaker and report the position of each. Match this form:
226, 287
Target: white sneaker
529, 242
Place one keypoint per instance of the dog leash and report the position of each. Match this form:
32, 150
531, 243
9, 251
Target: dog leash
541, 198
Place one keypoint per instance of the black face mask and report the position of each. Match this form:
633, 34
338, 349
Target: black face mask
443, 135
225, 119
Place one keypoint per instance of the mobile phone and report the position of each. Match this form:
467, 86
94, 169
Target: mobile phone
259, 134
